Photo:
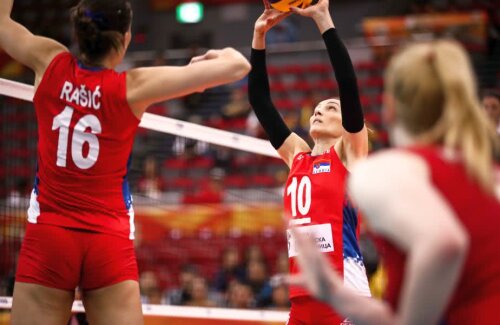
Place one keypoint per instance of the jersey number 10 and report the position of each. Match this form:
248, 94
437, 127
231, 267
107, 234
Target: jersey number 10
79, 138
300, 197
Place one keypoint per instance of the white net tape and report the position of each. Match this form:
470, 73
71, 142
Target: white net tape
190, 312
168, 125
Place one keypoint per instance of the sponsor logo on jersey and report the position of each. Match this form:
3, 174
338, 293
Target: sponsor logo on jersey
320, 234
321, 166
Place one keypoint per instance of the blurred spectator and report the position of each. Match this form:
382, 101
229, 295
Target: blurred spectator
150, 291
211, 191
190, 148
199, 294
253, 127
281, 177
230, 269
281, 266
378, 282
151, 184
238, 105
258, 280
280, 300
292, 120
223, 157
253, 253
491, 103
155, 296
160, 59
239, 295
18, 196
422, 6
182, 294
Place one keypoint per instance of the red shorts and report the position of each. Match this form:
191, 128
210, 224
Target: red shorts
305, 311
64, 258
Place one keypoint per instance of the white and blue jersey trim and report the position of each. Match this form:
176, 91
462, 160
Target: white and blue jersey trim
127, 199
34, 207
354, 268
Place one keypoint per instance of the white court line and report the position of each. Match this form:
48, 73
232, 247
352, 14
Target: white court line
168, 125
190, 312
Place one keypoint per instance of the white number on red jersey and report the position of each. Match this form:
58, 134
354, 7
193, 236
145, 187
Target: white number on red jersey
79, 138
300, 196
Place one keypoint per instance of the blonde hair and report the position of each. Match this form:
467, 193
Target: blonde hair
435, 99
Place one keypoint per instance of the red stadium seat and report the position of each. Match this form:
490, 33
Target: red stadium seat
367, 66
262, 180
175, 163
294, 69
235, 181
374, 82
320, 68
181, 183
201, 162
284, 104
301, 85
326, 84
277, 87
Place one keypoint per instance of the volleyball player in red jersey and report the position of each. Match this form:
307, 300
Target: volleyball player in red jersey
81, 217
315, 198
430, 202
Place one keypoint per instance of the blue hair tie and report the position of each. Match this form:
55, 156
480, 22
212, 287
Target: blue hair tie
97, 18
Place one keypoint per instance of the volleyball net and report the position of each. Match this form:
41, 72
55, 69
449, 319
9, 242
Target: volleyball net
198, 190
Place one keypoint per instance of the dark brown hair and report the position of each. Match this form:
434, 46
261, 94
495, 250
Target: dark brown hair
100, 26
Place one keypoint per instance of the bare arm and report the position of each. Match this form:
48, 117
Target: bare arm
146, 86
405, 208
35, 52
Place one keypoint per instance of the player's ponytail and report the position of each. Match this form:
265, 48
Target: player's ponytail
99, 27
436, 101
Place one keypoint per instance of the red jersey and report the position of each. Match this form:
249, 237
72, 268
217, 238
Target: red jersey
476, 298
315, 200
85, 137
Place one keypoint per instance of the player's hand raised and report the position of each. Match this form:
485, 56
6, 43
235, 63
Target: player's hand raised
269, 18
313, 11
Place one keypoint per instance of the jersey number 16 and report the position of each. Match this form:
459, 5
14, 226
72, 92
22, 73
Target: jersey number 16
79, 138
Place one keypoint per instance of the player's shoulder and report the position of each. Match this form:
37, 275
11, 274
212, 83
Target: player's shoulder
387, 160
387, 169
301, 159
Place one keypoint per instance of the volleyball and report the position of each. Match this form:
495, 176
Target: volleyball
284, 5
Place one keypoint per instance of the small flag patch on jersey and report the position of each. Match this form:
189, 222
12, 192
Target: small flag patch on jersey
321, 166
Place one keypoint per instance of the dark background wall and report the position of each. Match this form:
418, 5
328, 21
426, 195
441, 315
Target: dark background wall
233, 25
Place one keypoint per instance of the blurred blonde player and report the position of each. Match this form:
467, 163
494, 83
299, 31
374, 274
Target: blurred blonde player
430, 202
315, 197
80, 219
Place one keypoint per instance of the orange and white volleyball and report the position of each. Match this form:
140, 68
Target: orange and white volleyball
284, 5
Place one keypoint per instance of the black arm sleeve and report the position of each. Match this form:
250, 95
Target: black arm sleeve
352, 113
259, 95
